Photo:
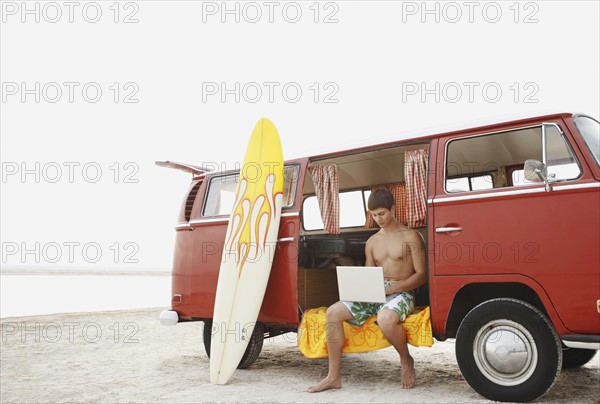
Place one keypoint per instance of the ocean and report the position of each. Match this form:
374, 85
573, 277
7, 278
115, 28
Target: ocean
37, 292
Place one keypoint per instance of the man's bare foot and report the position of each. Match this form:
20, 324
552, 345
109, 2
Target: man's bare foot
409, 378
326, 384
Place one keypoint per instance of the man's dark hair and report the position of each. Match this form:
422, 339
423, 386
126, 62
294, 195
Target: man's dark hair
380, 198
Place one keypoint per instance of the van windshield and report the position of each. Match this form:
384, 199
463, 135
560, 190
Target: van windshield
590, 131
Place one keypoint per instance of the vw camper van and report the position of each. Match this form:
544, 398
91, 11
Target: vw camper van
510, 215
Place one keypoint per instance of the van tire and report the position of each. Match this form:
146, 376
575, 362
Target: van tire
576, 357
484, 342
254, 345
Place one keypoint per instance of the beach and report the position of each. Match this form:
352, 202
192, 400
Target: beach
127, 356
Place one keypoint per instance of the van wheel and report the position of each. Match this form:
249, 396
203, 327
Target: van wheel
575, 357
508, 350
254, 345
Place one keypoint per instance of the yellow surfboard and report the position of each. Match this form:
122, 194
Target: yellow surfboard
248, 251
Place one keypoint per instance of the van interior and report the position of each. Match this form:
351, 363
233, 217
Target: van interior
319, 250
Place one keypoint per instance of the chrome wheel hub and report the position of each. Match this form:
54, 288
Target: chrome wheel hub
505, 352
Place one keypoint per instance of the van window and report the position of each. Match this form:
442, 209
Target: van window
470, 183
590, 131
560, 159
496, 160
518, 178
221, 195
221, 191
290, 184
352, 210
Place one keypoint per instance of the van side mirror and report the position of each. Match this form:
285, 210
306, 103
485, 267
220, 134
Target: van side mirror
536, 171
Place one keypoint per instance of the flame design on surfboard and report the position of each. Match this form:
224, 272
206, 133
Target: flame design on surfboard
246, 238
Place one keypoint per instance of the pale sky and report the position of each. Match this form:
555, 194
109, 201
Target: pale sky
94, 92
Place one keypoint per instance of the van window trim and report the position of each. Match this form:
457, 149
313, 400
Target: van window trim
569, 146
470, 177
496, 190
222, 219
516, 191
215, 176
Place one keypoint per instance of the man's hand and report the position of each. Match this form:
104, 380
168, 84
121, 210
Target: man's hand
390, 287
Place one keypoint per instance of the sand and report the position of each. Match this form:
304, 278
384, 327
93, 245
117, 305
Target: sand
128, 357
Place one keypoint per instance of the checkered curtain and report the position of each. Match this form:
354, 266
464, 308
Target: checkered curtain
398, 189
327, 187
415, 174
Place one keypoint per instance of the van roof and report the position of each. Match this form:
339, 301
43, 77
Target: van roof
423, 135
408, 137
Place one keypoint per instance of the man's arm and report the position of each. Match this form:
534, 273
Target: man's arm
416, 248
370, 260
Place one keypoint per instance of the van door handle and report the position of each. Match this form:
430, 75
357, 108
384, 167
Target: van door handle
185, 226
286, 239
447, 229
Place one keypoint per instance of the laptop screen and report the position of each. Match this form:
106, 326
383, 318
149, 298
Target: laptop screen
361, 284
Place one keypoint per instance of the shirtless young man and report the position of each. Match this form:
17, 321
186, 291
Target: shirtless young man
400, 251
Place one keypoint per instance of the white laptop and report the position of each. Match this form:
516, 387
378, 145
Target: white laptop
361, 284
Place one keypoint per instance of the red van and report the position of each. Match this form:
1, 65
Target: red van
510, 212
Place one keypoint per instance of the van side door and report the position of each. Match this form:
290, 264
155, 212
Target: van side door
493, 225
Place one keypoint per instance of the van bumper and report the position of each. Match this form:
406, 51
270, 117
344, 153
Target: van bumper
168, 317
582, 341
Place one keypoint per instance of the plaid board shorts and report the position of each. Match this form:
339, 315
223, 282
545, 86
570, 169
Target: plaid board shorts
402, 303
